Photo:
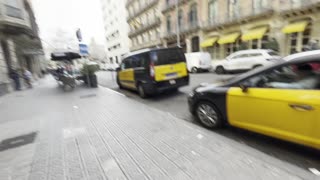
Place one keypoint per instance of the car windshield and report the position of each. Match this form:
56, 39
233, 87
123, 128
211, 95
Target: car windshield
159, 90
273, 53
170, 56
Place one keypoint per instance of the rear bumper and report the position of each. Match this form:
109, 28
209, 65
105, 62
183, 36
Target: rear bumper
157, 87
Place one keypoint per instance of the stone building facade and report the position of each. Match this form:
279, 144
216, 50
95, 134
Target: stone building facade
222, 27
20, 45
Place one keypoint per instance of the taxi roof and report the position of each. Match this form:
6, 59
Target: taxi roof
146, 50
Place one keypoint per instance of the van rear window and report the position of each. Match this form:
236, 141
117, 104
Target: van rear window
168, 56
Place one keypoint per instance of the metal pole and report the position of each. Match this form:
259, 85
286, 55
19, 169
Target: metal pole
178, 28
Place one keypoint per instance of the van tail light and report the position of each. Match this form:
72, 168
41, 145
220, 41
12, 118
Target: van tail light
152, 70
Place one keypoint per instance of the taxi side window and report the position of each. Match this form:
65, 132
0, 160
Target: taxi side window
128, 63
123, 66
294, 76
135, 61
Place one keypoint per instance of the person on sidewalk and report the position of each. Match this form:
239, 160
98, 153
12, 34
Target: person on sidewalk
14, 75
27, 77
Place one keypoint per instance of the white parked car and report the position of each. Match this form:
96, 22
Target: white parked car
198, 61
245, 60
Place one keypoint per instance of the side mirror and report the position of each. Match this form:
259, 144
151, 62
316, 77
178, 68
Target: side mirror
244, 86
118, 69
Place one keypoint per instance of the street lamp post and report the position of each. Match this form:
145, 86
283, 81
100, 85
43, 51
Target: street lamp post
178, 28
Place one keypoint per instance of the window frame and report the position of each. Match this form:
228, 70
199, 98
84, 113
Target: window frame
272, 70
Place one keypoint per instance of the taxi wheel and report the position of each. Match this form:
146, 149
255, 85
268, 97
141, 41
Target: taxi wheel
119, 84
142, 91
208, 115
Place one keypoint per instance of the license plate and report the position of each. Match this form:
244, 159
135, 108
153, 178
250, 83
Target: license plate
170, 75
172, 82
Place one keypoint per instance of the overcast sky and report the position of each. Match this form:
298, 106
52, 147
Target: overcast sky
69, 15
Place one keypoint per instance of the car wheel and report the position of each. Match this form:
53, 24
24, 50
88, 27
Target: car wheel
220, 70
208, 115
194, 70
141, 91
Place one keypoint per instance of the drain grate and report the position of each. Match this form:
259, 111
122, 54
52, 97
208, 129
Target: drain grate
88, 96
17, 141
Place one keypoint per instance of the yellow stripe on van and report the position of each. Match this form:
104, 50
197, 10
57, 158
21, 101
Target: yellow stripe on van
170, 71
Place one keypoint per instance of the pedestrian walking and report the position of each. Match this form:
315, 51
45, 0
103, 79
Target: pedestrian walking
14, 75
27, 77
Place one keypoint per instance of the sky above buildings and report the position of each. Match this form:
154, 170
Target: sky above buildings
66, 16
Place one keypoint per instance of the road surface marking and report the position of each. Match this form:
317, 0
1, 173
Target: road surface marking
199, 136
113, 91
315, 171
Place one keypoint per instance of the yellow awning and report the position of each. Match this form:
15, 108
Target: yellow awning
209, 42
295, 27
257, 33
229, 38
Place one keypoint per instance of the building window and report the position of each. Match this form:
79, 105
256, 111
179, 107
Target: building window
158, 32
300, 41
233, 9
193, 15
117, 60
111, 60
195, 44
255, 44
259, 5
265, 41
136, 7
13, 3
296, 3
232, 47
150, 35
214, 51
180, 18
145, 37
212, 11
169, 24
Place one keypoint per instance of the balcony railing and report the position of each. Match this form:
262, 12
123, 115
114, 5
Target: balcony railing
145, 7
304, 4
144, 27
229, 19
184, 28
13, 12
172, 4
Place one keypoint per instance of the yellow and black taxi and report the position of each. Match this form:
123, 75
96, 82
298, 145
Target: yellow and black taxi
150, 71
281, 100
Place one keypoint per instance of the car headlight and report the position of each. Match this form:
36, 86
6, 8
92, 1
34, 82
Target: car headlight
191, 94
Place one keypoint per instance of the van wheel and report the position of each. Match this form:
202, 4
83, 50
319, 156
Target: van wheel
142, 91
220, 70
208, 115
194, 70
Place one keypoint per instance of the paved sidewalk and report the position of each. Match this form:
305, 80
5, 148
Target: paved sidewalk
99, 134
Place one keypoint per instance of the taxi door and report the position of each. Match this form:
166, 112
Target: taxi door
126, 74
289, 114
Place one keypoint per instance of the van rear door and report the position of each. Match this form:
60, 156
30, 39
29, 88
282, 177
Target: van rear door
169, 64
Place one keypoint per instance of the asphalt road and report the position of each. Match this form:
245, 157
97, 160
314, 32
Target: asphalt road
176, 104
